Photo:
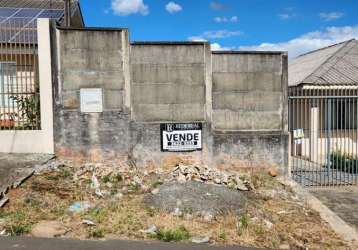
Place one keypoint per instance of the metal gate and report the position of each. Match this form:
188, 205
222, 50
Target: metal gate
19, 84
324, 144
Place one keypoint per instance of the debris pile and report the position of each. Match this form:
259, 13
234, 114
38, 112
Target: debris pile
204, 174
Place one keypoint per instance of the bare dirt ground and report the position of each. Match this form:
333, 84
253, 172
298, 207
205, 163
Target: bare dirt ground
89, 201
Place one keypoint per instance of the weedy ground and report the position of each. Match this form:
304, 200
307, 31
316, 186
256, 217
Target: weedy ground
273, 221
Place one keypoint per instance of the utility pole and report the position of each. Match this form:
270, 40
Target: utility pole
67, 15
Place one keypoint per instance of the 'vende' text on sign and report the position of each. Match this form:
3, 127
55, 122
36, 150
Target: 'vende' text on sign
181, 137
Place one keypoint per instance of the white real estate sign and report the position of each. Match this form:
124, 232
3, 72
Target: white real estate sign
181, 137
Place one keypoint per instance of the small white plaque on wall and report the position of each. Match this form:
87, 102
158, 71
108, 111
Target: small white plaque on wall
91, 100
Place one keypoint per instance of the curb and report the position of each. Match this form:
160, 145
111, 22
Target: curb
339, 226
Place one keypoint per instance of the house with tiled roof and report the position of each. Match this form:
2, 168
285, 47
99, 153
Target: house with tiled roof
323, 113
18, 54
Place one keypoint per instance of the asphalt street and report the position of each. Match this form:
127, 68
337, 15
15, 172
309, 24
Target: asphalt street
66, 244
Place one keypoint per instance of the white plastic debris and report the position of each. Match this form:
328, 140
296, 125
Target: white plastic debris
150, 230
200, 240
95, 183
88, 222
3, 233
268, 224
177, 212
96, 186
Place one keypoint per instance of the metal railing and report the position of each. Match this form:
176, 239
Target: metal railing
324, 146
19, 85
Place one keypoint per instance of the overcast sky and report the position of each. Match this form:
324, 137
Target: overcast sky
296, 26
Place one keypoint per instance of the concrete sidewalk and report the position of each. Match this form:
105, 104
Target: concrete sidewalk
341, 200
27, 243
15, 167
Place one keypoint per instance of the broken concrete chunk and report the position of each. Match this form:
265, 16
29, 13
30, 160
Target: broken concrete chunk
181, 178
3, 201
155, 191
268, 224
23, 176
204, 174
137, 180
273, 172
200, 239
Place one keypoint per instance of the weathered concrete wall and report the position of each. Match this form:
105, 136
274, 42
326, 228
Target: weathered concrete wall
145, 84
168, 81
250, 106
248, 91
91, 58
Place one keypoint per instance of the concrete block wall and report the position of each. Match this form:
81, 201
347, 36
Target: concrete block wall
239, 98
250, 107
248, 91
169, 81
93, 58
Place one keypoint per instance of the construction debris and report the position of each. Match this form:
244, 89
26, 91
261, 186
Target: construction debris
200, 240
88, 222
273, 173
3, 201
4, 233
204, 174
23, 174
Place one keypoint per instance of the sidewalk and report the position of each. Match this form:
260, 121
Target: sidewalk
341, 200
7, 243
16, 167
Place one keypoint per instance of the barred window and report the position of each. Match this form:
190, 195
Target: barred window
7, 84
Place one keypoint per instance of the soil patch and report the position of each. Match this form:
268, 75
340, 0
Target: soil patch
198, 198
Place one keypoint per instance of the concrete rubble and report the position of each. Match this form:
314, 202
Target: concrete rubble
132, 176
3, 201
183, 173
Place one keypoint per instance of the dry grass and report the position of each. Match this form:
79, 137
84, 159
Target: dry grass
48, 197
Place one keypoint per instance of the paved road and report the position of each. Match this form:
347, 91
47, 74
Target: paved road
62, 244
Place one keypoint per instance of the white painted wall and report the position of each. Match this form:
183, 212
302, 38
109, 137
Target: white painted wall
39, 141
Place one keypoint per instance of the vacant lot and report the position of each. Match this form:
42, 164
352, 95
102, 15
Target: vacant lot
122, 202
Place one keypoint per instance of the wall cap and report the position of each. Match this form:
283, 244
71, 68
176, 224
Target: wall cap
219, 52
169, 43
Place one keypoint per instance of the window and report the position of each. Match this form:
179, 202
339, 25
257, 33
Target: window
7, 83
344, 114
